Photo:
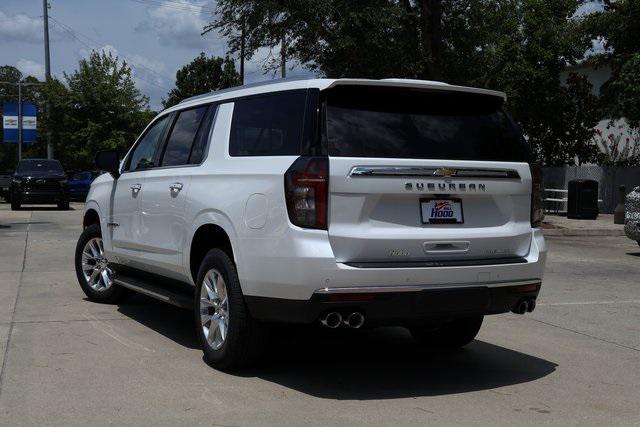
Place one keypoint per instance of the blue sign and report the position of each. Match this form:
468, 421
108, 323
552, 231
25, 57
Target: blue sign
10, 122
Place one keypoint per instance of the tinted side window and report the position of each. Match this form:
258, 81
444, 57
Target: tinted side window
270, 125
144, 153
182, 136
200, 144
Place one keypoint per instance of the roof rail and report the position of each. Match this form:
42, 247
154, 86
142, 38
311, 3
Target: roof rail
247, 86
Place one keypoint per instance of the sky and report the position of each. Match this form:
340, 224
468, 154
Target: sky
156, 37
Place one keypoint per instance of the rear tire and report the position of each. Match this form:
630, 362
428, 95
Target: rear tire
89, 253
231, 339
63, 205
454, 334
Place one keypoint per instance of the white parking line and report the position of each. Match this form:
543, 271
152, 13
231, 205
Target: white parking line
589, 303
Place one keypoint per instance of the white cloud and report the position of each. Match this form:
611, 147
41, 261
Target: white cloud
152, 66
149, 74
30, 68
21, 28
180, 23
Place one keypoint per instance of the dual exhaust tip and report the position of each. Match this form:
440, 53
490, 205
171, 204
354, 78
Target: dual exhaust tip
524, 306
334, 319
355, 320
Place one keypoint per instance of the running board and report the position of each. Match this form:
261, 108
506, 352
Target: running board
179, 299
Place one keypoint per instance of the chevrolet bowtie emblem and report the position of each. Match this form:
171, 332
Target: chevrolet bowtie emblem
446, 172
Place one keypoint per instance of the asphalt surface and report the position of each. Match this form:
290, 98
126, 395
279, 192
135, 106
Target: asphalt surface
67, 361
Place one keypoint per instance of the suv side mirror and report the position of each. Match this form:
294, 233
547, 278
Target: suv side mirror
108, 161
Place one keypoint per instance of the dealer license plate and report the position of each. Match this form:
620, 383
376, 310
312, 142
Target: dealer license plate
441, 211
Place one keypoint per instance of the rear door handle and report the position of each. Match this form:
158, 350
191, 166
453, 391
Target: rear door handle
176, 186
446, 247
136, 187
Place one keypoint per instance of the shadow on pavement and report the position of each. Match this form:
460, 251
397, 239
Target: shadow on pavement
172, 322
383, 363
44, 208
386, 363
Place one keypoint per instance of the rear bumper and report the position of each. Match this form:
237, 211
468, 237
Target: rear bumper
397, 305
295, 267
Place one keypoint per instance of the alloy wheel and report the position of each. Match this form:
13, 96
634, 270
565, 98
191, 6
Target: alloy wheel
95, 266
214, 309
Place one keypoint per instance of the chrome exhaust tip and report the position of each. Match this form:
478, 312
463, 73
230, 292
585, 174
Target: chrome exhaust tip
332, 320
521, 307
531, 306
355, 320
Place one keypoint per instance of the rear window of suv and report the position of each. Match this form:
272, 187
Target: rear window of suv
409, 123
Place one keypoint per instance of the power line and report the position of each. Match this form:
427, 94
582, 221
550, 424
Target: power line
91, 44
176, 5
74, 33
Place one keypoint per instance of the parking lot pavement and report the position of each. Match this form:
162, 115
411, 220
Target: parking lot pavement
575, 360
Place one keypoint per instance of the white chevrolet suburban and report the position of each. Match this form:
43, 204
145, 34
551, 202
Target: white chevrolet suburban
346, 203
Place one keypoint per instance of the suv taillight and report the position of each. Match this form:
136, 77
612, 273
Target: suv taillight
306, 185
537, 211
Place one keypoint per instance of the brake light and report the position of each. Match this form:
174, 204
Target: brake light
306, 185
537, 211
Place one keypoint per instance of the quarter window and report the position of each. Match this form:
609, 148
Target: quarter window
268, 125
144, 153
183, 135
200, 144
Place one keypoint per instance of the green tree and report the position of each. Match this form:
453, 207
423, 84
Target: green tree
97, 107
517, 46
618, 26
202, 75
627, 90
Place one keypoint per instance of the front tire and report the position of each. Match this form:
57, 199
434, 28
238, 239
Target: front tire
92, 269
15, 205
230, 337
454, 334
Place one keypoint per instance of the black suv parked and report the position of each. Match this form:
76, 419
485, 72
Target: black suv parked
39, 181
5, 184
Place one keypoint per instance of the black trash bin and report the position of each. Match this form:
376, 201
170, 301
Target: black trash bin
582, 201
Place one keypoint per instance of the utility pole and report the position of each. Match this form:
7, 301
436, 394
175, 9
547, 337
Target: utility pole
283, 58
47, 66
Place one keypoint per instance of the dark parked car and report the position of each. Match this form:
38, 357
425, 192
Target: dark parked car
5, 184
39, 181
79, 185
